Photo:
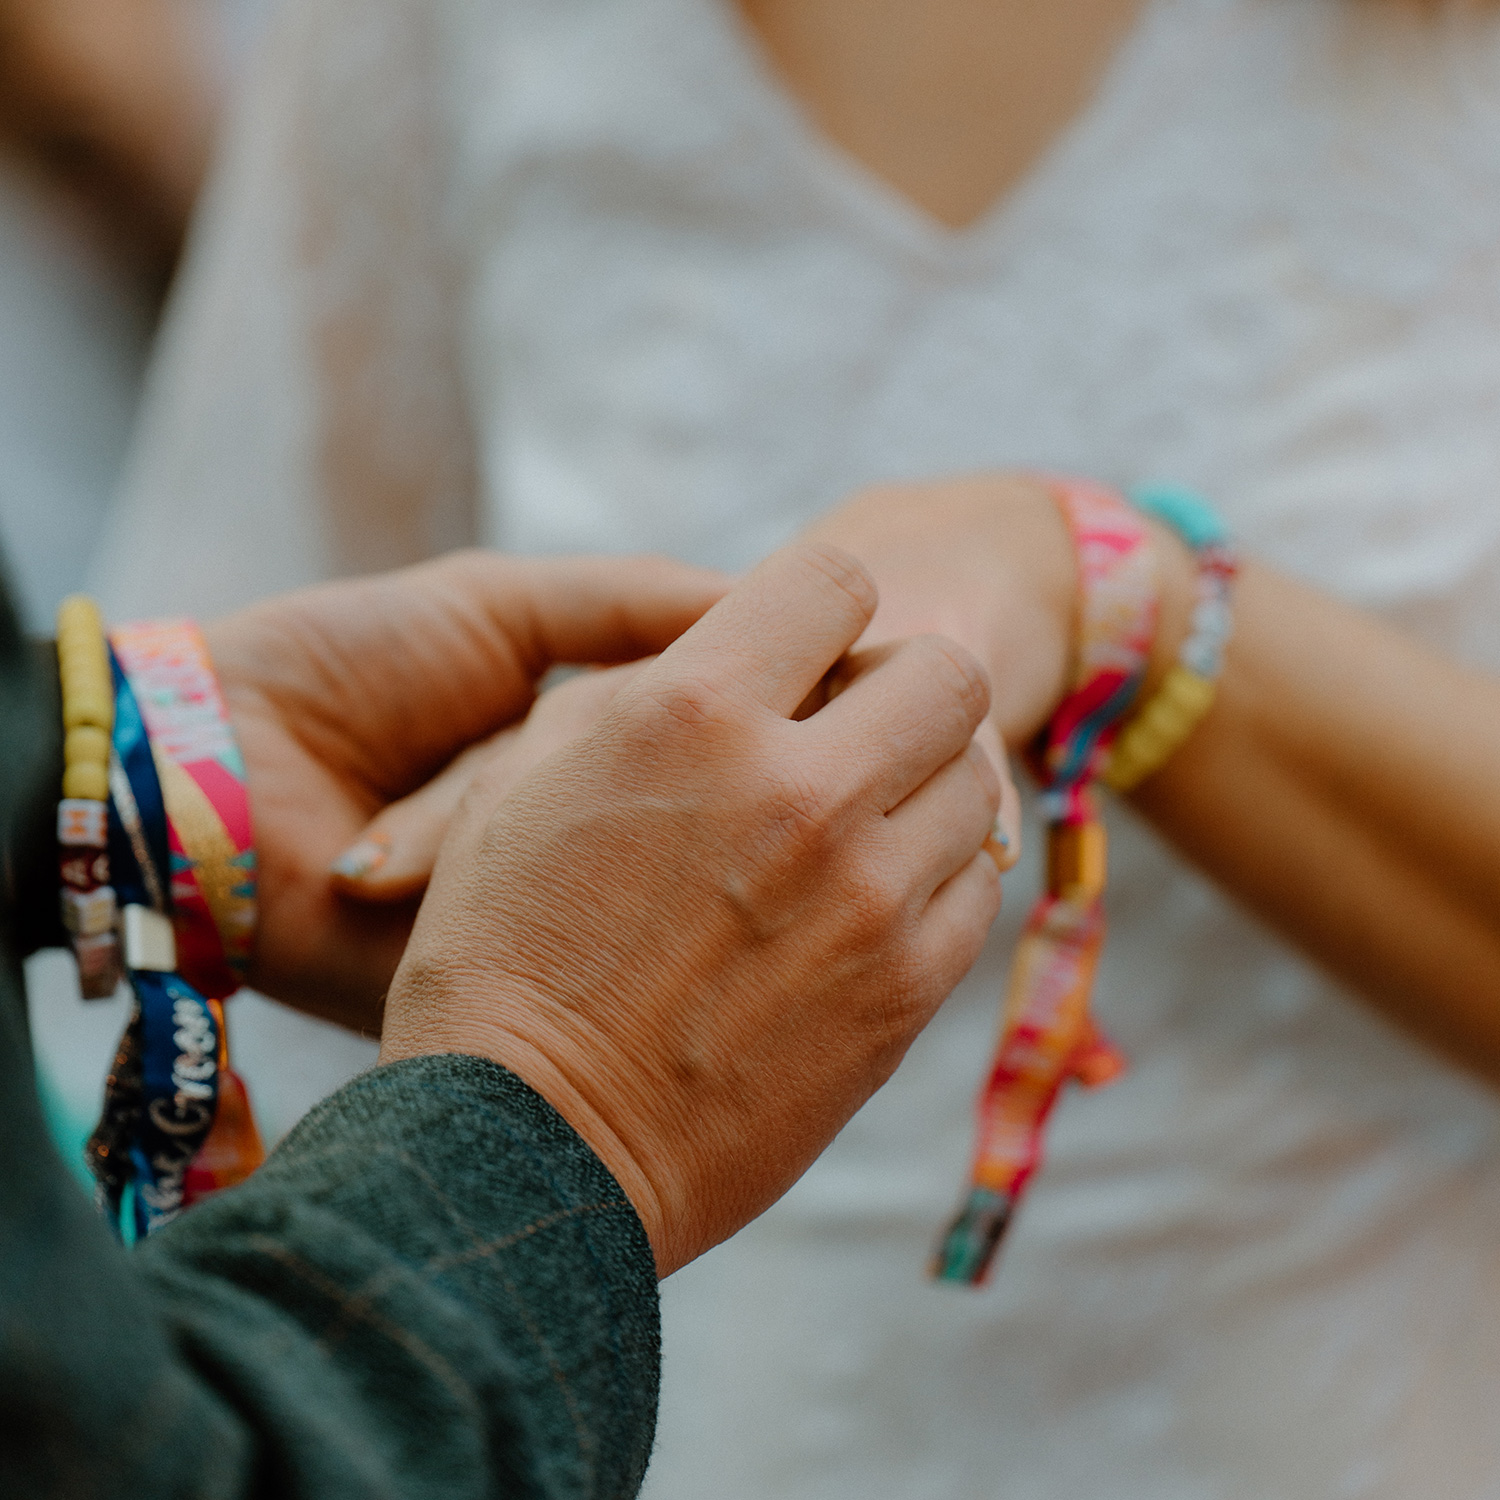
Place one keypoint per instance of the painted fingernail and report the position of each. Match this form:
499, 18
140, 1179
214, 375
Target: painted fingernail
1011, 818
360, 861
1003, 844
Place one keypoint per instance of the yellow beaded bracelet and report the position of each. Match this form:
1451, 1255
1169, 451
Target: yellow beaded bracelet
88, 700
1155, 735
83, 665
88, 705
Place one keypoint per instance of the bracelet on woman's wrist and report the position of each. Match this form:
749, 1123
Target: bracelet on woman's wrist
1047, 1034
1162, 726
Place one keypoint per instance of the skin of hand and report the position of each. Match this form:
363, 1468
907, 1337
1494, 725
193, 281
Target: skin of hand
985, 560
708, 929
348, 696
988, 561
394, 856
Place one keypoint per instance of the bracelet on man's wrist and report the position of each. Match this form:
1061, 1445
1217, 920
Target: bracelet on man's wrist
158, 881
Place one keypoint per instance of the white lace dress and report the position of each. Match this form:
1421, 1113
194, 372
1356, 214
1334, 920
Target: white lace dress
1266, 263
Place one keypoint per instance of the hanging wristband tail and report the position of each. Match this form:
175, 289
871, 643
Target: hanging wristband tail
161, 1095
1047, 1036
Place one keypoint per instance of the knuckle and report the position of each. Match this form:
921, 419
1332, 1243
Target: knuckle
671, 704
877, 906
797, 807
955, 672
846, 573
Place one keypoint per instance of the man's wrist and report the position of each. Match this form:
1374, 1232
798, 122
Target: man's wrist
456, 1028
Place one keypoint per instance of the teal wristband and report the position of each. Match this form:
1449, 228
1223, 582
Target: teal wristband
1184, 510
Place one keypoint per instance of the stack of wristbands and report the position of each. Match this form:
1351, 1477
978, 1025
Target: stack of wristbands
158, 882
1097, 735
1160, 729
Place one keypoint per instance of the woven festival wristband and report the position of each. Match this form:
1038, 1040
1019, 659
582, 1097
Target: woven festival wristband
1188, 690
212, 851
212, 860
1047, 1034
180, 844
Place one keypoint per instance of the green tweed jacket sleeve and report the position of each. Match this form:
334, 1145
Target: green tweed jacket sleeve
433, 1288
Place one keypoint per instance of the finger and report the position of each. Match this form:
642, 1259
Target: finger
916, 709
957, 921
776, 633
393, 858
586, 609
1004, 842
948, 819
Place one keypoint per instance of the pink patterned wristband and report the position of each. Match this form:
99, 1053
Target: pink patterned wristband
213, 874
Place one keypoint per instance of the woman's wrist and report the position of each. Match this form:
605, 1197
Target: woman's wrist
1036, 608
1036, 627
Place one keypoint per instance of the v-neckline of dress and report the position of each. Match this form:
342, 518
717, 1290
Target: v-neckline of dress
878, 205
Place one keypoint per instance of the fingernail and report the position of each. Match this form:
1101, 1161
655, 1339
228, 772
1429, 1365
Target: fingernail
1010, 820
360, 861
1003, 844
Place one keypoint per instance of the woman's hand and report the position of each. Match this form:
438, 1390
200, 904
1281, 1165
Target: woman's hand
351, 695
708, 929
986, 561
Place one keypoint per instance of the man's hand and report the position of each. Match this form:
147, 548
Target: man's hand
348, 696
709, 928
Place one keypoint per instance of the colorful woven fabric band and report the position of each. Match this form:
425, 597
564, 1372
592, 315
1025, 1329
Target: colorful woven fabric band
208, 810
162, 1090
176, 1122
1188, 690
1047, 1035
